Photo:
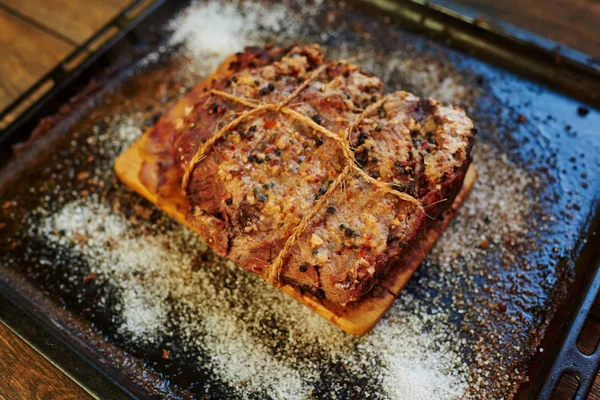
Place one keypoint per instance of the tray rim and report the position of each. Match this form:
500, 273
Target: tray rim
545, 49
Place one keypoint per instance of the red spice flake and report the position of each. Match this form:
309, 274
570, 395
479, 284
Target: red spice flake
292, 209
484, 244
521, 119
9, 204
81, 239
90, 278
166, 354
270, 123
232, 148
142, 211
501, 307
270, 148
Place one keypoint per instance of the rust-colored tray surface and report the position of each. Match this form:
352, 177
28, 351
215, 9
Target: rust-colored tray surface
135, 286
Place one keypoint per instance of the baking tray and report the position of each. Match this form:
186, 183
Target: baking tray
51, 298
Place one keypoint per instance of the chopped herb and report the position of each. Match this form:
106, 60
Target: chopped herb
348, 232
229, 201
263, 91
252, 129
303, 268
381, 112
266, 186
331, 210
318, 142
271, 87
399, 186
256, 83
315, 252
278, 152
261, 197
317, 119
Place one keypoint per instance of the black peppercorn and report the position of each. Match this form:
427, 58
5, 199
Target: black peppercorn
303, 268
321, 192
330, 210
348, 232
318, 142
582, 111
229, 201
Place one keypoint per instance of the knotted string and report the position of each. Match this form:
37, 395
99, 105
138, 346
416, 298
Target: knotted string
273, 272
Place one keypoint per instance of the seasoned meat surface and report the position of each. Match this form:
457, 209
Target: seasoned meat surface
266, 173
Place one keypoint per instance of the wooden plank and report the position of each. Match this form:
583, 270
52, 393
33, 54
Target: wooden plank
27, 54
573, 23
358, 318
25, 374
72, 20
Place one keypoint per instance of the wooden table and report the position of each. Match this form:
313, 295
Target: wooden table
36, 34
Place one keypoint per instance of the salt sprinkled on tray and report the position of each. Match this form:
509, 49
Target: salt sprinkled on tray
213, 30
252, 337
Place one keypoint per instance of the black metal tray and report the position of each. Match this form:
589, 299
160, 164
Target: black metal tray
548, 134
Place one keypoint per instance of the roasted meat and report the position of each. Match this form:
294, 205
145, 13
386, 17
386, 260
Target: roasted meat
304, 171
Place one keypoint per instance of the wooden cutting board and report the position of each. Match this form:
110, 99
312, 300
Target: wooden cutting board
357, 318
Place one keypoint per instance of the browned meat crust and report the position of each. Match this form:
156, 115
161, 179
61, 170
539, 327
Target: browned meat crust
265, 173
